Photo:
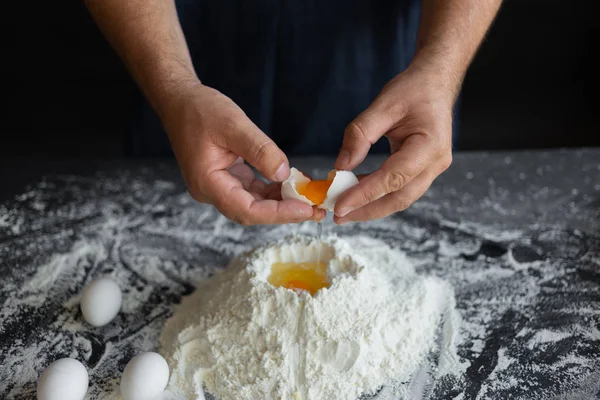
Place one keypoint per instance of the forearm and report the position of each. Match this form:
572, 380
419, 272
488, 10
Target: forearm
148, 37
450, 33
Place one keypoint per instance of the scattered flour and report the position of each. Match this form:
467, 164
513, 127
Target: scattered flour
529, 319
242, 338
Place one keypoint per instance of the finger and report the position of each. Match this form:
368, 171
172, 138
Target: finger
318, 215
241, 206
278, 212
258, 186
393, 202
244, 173
416, 153
273, 191
363, 132
260, 151
258, 189
200, 198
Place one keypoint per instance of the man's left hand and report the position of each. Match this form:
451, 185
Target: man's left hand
414, 111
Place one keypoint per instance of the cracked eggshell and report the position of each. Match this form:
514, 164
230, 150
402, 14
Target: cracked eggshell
340, 182
288, 187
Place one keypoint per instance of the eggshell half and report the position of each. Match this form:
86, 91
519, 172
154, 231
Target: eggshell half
341, 181
288, 187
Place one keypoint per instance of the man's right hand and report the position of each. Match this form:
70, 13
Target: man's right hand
211, 137
209, 133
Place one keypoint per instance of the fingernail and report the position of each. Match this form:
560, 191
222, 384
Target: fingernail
343, 158
282, 172
344, 211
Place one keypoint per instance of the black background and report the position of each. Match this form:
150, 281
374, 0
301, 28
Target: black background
534, 83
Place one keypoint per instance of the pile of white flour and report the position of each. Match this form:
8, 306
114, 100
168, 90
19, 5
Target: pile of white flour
238, 337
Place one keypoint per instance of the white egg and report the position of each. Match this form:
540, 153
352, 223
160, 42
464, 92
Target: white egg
101, 301
145, 377
64, 379
340, 182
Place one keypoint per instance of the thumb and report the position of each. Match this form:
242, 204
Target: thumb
362, 133
260, 151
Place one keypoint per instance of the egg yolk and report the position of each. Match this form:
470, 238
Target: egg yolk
315, 191
307, 276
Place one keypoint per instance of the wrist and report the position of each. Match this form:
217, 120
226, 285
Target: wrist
172, 93
439, 70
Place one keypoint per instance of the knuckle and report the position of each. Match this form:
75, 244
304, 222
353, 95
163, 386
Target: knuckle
195, 194
355, 131
369, 196
241, 217
402, 204
241, 220
219, 205
262, 152
195, 190
446, 162
442, 150
369, 214
395, 181
396, 109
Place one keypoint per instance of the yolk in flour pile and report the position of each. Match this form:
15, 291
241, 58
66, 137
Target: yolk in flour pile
309, 276
315, 191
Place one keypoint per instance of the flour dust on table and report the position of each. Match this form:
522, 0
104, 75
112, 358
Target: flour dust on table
242, 338
516, 235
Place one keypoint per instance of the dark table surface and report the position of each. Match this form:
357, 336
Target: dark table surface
517, 235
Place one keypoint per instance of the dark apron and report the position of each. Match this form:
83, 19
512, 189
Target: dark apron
300, 69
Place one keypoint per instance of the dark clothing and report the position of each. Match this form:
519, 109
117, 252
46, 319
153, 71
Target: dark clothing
301, 70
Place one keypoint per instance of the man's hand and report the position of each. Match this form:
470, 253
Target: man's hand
211, 137
414, 111
210, 134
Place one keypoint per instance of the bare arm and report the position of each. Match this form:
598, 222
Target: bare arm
148, 37
450, 33
414, 111
209, 133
